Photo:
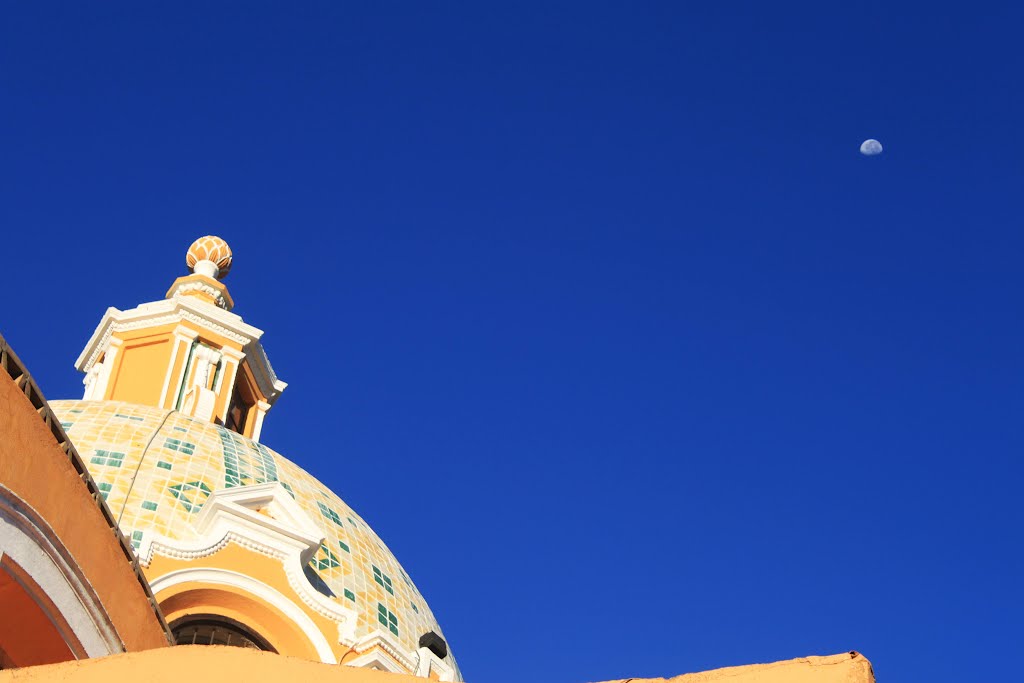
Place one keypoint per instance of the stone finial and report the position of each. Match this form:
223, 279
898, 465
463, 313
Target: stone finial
210, 256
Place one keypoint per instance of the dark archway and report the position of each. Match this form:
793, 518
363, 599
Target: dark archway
214, 629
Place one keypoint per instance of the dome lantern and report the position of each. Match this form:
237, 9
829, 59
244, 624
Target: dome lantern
188, 353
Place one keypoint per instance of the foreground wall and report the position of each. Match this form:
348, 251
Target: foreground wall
69, 584
217, 664
849, 667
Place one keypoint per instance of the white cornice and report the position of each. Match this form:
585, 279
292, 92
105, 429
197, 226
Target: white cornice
383, 641
263, 371
204, 315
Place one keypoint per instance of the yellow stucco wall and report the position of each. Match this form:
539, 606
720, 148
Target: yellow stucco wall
198, 598
848, 667
216, 664
151, 360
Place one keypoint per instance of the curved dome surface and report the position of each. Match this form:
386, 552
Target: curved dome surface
157, 467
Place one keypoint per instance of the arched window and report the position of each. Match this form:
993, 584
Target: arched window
212, 629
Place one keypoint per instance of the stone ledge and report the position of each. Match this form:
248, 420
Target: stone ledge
217, 664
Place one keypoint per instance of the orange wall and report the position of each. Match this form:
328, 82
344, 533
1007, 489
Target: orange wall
29, 638
216, 664
38, 471
139, 376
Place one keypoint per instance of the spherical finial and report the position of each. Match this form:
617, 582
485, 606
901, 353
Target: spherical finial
209, 255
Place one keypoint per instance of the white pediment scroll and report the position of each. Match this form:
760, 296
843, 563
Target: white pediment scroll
263, 518
264, 513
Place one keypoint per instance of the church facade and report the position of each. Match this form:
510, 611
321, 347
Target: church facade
148, 514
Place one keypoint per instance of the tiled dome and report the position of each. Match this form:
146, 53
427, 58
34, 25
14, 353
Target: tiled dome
156, 469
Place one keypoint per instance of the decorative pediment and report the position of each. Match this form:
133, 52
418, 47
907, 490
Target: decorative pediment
263, 513
265, 519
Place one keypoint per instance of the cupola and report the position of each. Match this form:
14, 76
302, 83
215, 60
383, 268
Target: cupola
188, 352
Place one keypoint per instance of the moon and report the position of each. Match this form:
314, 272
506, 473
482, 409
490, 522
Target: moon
871, 147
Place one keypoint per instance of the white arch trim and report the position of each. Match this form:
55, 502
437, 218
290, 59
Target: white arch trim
36, 550
224, 577
287, 534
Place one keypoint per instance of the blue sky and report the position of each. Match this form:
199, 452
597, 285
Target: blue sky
593, 310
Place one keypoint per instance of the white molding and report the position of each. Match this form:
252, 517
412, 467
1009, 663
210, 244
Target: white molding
204, 315
38, 552
286, 534
261, 413
99, 389
188, 337
182, 338
224, 577
230, 365
428, 662
263, 371
383, 641
168, 311
233, 354
236, 509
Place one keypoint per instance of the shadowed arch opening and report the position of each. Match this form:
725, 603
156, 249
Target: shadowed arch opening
257, 620
214, 629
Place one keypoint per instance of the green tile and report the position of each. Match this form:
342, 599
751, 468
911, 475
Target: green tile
148, 505
325, 559
179, 445
350, 595
191, 494
329, 513
110, 458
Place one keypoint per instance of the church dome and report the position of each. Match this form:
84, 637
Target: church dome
156, 468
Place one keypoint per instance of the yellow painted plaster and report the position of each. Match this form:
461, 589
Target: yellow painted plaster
196, 598
149, 357
217, 663
140, 365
